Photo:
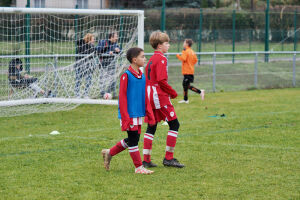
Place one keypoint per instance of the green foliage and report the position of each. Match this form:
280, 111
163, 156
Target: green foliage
181, 3
252, 153
5, 3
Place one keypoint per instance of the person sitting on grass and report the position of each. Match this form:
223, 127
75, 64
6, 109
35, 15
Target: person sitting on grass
132, 107
17, 80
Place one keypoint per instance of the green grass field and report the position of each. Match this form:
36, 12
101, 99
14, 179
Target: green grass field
252, 153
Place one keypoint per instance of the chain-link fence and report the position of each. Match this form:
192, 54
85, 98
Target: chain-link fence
227, 30
216, 73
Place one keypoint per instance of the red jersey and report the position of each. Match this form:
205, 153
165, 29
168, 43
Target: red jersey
126, 121
157, 88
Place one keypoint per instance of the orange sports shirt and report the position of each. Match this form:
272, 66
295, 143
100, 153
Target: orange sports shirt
189, 59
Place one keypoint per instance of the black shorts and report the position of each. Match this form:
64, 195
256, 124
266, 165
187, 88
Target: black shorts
189, 77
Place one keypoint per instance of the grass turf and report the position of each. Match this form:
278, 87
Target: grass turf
252, 153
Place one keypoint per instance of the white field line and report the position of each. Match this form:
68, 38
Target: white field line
256, 146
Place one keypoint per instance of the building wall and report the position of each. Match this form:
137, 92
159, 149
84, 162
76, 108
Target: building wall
92, 4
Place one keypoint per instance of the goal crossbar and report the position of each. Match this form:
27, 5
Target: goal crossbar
56, 100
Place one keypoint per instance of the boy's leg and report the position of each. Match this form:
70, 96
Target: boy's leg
148, 139
133, 148
171, 138
109, 153
171, 142
194, 89
185, 84
169, 113
78, 77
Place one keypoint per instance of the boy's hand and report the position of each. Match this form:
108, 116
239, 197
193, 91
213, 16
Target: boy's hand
173, 95
125, 124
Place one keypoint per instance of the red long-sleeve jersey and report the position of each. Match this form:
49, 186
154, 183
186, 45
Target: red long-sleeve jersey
123, 104
157, 88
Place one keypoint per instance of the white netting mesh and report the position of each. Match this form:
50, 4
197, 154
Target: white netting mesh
48, 45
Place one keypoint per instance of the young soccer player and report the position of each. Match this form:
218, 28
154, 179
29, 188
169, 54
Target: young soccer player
159, 93
132, 107
189, 59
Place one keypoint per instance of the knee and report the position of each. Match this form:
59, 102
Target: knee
174, 125
151, 129
185, 83
133, 138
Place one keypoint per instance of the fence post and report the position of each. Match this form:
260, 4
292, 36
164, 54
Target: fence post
255, 70
55, 75
27, 40
178, 41
295, 31
267, 33
76, 29
215, 38
163, 16
214, 72
200, 35
294, 70
250, 39
233, 35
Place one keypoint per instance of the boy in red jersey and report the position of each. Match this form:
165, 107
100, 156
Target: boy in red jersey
132, 107
159, 93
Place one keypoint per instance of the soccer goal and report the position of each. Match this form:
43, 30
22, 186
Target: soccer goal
48, 61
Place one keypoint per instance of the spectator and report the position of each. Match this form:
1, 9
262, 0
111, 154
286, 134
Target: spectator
107, 49
83, 67
19, 81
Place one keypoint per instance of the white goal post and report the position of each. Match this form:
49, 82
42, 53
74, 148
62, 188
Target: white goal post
46, 41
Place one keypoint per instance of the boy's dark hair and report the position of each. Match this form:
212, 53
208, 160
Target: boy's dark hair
133, 53
16, 61
111, 35
189, 42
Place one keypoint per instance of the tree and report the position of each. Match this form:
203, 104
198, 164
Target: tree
5, 3
182, 3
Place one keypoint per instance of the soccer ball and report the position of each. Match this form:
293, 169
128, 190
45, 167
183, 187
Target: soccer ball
107, 96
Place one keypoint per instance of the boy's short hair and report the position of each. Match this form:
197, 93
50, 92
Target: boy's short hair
158, 37
189, 42
133, 53
112, 34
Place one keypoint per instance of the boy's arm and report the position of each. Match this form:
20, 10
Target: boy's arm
183, 56
162, 77
167, 88
149, 118
125, 118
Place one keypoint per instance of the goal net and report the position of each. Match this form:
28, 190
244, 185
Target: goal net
57, 59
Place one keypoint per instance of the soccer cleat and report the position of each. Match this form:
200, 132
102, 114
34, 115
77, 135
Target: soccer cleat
149, 164
202, 94
106, 158
142, 170
172, 163
184, 101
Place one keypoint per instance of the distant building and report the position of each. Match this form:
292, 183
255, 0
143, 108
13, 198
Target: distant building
85, 4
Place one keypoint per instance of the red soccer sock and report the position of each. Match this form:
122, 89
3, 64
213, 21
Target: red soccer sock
135, 156
119, 147
171, 142
148, 138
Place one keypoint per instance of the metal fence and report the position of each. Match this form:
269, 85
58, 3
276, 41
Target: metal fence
217, 72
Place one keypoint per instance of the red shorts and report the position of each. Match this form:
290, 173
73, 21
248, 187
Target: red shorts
165, 113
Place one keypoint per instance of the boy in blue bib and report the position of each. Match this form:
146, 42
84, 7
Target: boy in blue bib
131, 110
